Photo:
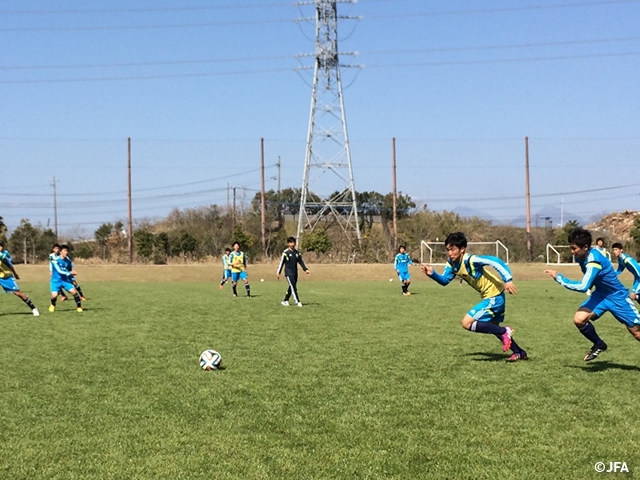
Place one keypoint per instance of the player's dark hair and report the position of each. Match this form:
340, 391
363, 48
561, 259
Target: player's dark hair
599, 239
401, 247
291, 239
580, 237
55, 245
617, 245
235, 243
64, 247
227, 249
456, 239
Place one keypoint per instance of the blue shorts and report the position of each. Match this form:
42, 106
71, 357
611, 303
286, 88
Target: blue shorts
621, 307
404, 276
489, 310
9, 284
240, 275
58, 285
226, 273
636, 287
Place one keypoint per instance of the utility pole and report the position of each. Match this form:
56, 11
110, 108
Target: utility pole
395, 196
328, 152
233, 215
528, 198
130, 214
55, 208
228, 203
278, 164
262, 200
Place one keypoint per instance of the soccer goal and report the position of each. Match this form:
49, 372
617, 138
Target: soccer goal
560, 255
435, 253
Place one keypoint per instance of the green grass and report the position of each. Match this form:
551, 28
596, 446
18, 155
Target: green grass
360, 383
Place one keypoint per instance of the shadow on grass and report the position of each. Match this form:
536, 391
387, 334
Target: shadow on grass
8, 314
487, 357
605, 365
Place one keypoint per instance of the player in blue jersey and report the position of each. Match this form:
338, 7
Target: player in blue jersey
630, 263
8, 277
226, 268
53, 256
401, 265
487, 315
609, 294
238, 263
62, 278
601, 248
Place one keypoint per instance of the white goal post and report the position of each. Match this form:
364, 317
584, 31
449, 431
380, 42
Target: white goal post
560, 255
435, 253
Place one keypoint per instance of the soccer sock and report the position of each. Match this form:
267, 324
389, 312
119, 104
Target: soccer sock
29, 303
79, 290
487, 327
404, 288
76, 297
235, 290
54, 300
62, 294
247, 287
589, 331
515, 348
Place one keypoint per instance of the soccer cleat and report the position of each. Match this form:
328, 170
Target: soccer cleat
79, 309
518, 356
506, 339
299, 304
595, 351
221, 286
62, 299
52, 308
84, 299
35, 312
285, 303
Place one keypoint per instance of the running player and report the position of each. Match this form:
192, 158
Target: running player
601, 248
290, 260
487, 315
70, 267
401, 265
8, 277
609, 294
53, 256
61, 278
630, 263
226, 268
238, 262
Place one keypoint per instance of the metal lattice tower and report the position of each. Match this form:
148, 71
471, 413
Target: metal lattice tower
327, 166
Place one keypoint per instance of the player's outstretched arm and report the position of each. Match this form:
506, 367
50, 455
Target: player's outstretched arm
444, 279
577, 285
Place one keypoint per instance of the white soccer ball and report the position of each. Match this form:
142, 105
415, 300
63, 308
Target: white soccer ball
262, 279
391, 279
210, 360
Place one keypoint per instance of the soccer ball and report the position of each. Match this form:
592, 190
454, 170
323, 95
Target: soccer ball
391, 279
210, 360
262, 279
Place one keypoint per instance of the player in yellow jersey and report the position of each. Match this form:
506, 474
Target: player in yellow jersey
238, 263
487, 315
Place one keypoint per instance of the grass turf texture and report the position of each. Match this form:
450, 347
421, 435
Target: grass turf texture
360, 383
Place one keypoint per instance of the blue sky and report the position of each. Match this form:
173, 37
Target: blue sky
196, 84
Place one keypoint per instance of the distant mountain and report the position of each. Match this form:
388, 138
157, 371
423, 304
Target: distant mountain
468, 212
549, 213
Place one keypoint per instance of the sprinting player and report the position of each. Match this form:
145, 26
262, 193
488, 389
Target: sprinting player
71, 268
226, 268
62, 279
53, 256
290, 260
238, 262
601, 248
630, 263
487, 315
8, 277
401, 265
609, 294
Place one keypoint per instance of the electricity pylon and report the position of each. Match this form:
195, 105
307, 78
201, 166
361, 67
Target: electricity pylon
327, 166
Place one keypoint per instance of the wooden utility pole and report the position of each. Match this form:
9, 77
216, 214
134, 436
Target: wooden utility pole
395, 196
278, 164
262, 200
55, 208
528, 198
129, 206
233, 214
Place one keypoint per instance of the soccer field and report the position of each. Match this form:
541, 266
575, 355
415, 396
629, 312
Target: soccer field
360, 383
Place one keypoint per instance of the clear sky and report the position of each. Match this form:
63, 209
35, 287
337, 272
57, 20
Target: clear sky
197, 83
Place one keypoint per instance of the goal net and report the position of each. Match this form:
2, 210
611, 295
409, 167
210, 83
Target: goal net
560, 255
435, 253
